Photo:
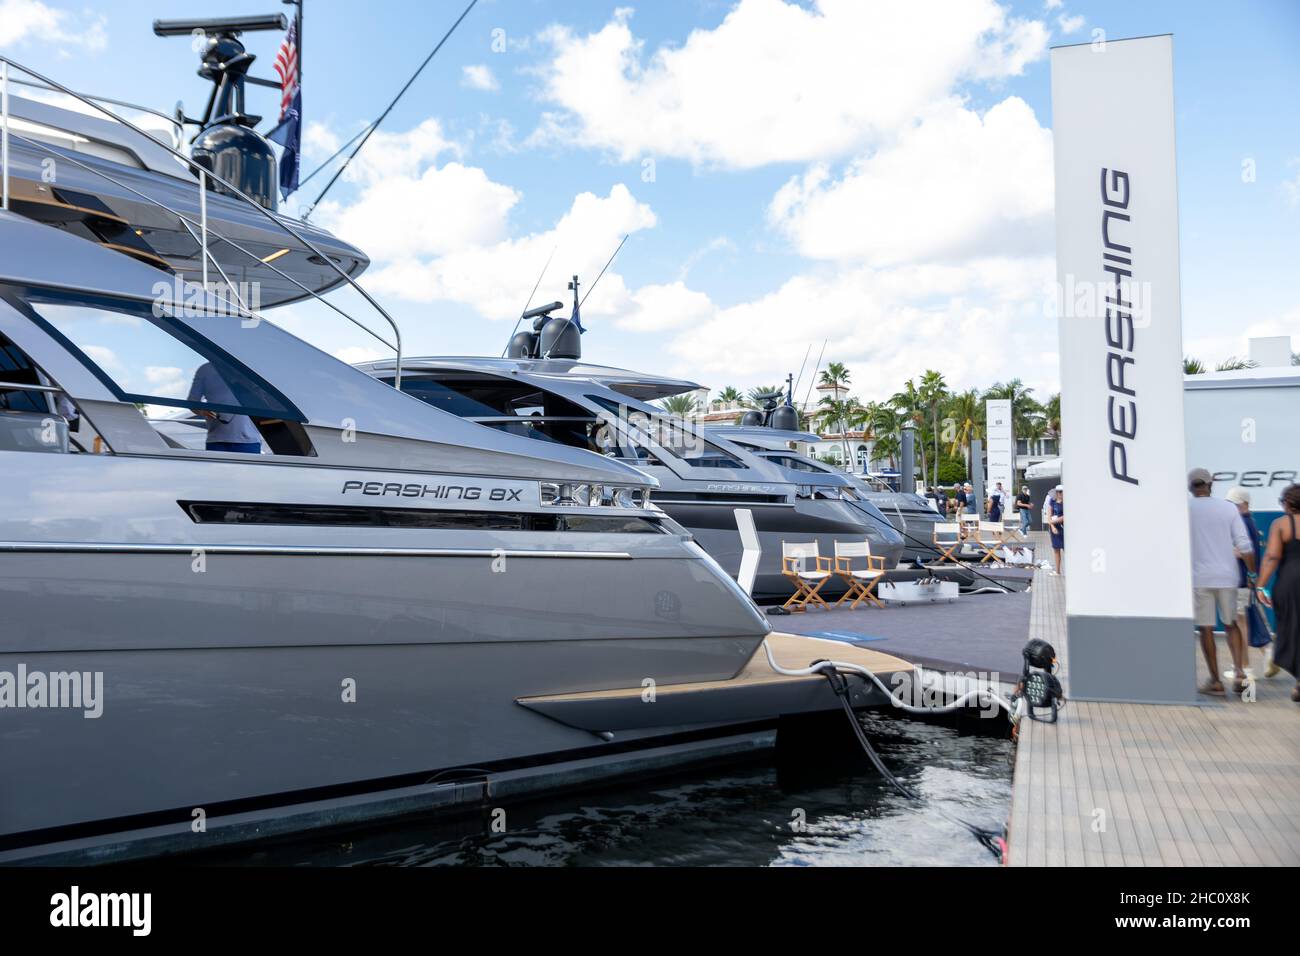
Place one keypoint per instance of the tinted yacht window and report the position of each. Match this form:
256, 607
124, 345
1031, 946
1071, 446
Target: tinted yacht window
670, 433
15, 369
149, 359
797, 464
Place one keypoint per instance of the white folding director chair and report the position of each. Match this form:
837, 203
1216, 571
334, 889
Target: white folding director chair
861, 581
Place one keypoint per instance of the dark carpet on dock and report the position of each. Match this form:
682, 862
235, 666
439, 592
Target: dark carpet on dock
977, 632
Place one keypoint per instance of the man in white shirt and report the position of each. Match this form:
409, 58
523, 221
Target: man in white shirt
1219, 537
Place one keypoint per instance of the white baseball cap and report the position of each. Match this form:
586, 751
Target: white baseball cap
1239, 496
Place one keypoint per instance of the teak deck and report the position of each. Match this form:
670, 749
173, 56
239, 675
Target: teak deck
1154, 785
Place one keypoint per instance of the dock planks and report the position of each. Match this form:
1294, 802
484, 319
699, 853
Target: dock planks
1154, 785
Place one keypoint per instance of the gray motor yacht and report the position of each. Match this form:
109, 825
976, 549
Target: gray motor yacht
388, 610
701, 478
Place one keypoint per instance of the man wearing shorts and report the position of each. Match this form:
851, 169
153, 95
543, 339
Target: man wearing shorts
1218, 537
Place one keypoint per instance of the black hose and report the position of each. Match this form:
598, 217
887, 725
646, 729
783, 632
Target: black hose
987, 838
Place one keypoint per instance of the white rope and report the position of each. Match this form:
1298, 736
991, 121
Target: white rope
842, 666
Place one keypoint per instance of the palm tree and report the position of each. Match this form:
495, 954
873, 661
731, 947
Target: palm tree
1234, 364
934, 392
884, 423
730, 397
967, 412
1052, 416
841, 414
836, 375
911, 406
1194, 366
1023, 407
752, 399
680, 405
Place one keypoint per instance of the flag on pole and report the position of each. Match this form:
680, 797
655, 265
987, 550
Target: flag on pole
289, 131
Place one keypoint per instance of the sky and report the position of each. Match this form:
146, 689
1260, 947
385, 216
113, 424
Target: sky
875, 176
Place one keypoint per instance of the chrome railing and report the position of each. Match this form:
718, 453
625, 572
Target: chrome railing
202, 225
177, 128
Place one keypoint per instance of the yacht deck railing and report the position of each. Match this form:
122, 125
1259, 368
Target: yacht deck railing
188, 223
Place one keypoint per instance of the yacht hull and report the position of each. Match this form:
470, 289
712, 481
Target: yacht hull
823, 521
248, 665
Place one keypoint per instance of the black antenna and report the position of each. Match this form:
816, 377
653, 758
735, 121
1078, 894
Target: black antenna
813, 381
382, 116
806, 353
602, 272
524, 315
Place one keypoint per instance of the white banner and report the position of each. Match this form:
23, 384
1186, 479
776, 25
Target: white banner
1126, 532
1001, 449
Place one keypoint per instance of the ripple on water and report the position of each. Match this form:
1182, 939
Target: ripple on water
730, 817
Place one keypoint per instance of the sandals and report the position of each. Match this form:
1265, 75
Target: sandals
1213, 688
1295, 693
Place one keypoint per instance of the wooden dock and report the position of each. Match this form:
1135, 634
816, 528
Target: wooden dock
1151, 785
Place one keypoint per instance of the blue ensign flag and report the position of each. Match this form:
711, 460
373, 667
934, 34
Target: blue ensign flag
289, 131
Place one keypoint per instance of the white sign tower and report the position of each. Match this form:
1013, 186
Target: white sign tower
1127, 560
1002, 448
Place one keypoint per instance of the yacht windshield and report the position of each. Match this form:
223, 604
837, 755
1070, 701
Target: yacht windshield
150, 359
513, 406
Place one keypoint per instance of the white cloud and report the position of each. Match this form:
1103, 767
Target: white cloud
476, 76
955, 185
25, 21
1291, 187
1213, 349
977, 323
408, 206
777, 81
166, 380
1069, 24
495, 276
655, 308
352, 354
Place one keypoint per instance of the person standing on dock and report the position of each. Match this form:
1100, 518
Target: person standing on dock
1246, 576
1055, 511
1218, 537
1283, 557
1025, 508
997, 503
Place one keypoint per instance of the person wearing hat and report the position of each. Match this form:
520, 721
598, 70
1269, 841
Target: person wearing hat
1054, 513
1218, 537
1246, 577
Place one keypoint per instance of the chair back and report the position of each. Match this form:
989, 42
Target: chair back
991, 529
799, 549
853, 549
948, 531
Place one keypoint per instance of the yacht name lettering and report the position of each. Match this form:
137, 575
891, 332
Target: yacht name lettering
1117, 261
415, 490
